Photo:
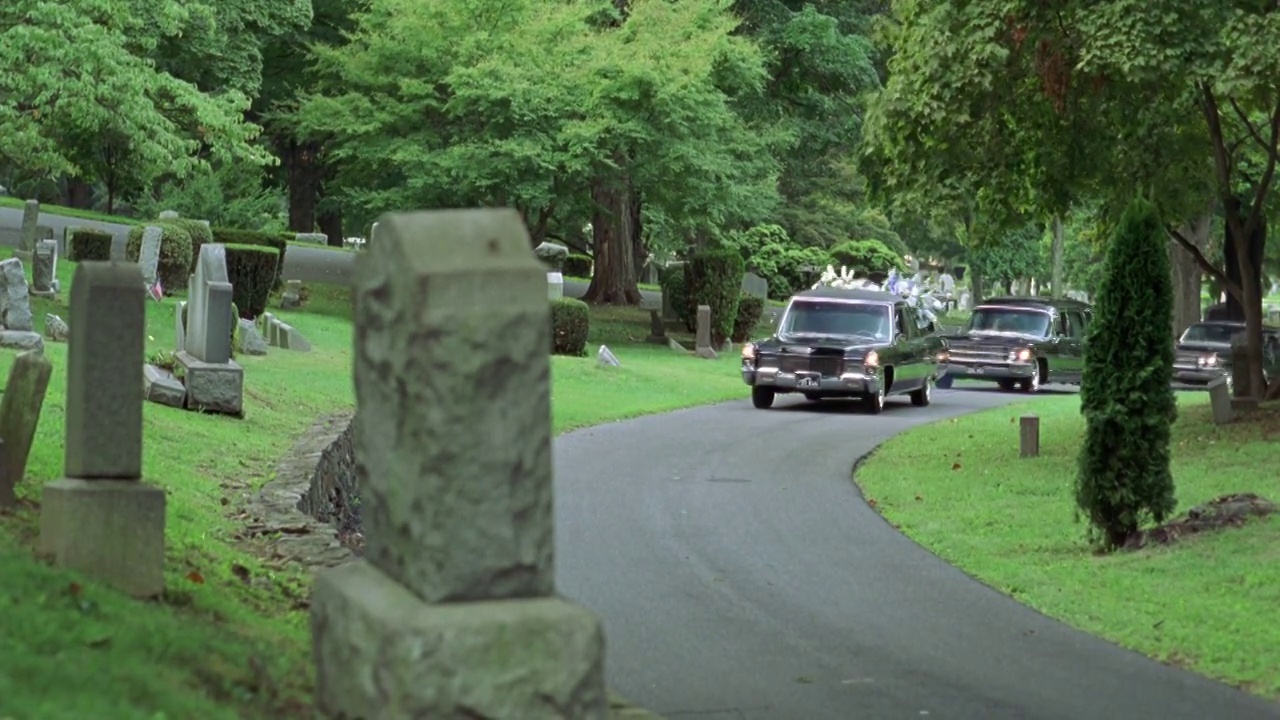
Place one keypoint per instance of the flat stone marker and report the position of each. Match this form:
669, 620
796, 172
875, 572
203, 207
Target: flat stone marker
703, 348
100, 519
452, 613
19, 415
149, 254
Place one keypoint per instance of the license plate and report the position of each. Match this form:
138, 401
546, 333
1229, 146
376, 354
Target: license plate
807, 383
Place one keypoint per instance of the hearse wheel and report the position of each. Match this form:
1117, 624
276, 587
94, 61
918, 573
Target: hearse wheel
874, 403
762, 397
1032, 384
923, 396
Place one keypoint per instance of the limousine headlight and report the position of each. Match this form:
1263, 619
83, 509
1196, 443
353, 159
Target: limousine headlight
944, 356
749, 351
872, 359
1208, 361
1020, 355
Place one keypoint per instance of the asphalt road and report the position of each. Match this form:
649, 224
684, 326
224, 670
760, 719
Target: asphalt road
741, 576
318, 265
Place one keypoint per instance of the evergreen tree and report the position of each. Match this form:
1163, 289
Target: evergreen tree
1126, 397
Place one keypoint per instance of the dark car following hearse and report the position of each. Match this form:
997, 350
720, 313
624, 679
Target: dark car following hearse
1203, 353
846, 343
1021, 342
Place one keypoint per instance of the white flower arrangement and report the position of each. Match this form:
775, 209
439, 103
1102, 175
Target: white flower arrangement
918, 293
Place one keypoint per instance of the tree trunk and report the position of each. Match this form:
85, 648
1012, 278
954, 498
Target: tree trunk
1187, 276
614, 279
78, 194
1058, 243
1246, 262
304, 174
976, 288
330, 222
639, 246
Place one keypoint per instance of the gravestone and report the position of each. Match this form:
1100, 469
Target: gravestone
555, 286
149, 253
215, 382
754, 285
15, 298
657, 329
453, 610
312, 238
19, 415
30, 223
43, 267
292, 296
702, 348
1220, 401
552, 255
100, 518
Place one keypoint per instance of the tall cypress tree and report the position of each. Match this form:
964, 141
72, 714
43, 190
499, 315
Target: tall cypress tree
1126, 396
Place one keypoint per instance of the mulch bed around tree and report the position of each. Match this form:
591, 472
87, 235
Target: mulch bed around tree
1222, 512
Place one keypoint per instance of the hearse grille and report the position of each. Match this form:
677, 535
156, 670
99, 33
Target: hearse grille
975, 352
826, 365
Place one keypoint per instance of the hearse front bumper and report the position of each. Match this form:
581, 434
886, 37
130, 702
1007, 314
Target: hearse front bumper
987, 370
812, 382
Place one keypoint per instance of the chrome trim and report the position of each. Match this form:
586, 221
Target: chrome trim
847, 382
994, 371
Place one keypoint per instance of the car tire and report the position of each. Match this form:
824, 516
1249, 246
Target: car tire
923, 396
1007, 385
762, 397
873, 403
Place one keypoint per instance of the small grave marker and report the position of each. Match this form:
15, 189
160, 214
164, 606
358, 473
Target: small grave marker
703, 347
1029, 436
20, 409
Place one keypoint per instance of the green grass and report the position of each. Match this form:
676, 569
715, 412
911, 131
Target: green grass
14, 202
216, 645
1206, 603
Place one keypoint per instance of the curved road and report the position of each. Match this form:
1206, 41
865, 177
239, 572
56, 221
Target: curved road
741, 576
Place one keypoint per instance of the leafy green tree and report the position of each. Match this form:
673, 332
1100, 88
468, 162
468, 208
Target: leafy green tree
1126, 395
80, 94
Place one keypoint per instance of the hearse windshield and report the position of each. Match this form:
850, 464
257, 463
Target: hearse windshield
1210, 333
1012, 321
818, 318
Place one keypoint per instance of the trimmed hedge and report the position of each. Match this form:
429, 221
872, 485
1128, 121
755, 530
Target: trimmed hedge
867, 258
577, 265
200, 234
570, 323
750, 310
252, 272
676, 290
89, 244
279, 241
175, 253
715, 280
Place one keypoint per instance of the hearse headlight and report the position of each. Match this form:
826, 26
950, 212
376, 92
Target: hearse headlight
1208, 361
872, 359
944, 356
1020, 355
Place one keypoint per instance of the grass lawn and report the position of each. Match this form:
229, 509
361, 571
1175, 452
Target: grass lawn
1206, 603
230, 638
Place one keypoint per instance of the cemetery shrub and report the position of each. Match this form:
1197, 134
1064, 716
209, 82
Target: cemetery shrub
279, 241
1128, 404
200, 234
570, 322
865, 257
577, 265
676, 290
252, 271
88, 244
175, 253
750, 310
715, 279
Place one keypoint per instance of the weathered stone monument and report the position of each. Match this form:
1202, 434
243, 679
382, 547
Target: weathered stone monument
18, 331
452, 613
292, 296
657, 329
702, 347
149, 254
30, 230
555, 285
44, 266
101, 519
214, 382
19, 415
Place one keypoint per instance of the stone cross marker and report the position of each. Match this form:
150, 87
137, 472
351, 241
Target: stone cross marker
703, 347
19, 414
101, 519
453, 611
43, 267
149, 254
30, 223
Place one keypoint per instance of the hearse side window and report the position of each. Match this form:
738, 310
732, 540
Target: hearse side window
1060, 325
1076, 324
902, 321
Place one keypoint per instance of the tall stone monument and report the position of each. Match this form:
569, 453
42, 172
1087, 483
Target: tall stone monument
214, 381
453, 612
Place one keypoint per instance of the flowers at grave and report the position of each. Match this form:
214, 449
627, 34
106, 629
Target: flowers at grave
918, 292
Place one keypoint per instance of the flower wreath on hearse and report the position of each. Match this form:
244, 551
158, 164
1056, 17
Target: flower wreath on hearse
918, 293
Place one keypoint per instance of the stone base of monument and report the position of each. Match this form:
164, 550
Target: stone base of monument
527, 659
161, 387
212, 387
22, 340
112, 530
